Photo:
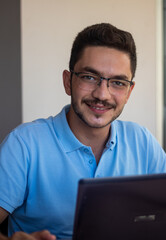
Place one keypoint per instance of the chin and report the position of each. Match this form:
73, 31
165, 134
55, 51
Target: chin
95, 124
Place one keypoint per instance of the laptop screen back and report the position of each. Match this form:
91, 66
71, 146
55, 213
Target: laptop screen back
132, 208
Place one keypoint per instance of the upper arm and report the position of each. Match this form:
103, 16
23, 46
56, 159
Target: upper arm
3, 214
13, 173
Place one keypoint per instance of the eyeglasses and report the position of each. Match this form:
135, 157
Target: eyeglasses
90, 81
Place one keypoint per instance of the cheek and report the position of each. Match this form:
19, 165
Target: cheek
75, 87
124, 98
76, 94
79, 94
121, 100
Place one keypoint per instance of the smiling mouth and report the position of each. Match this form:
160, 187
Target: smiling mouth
100, 107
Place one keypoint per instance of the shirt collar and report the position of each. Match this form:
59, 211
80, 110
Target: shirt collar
65, 135
112, 139
67, 138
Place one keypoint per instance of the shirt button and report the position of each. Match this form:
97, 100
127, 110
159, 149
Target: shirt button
90, 161
86, 150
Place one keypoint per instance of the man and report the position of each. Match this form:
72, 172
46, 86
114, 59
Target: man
41, 162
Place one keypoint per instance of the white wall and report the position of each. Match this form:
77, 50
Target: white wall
48, 30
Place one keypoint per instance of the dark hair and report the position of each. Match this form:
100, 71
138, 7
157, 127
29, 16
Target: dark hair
104, 34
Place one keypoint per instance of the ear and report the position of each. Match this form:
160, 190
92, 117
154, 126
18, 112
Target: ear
67, 82
130, 90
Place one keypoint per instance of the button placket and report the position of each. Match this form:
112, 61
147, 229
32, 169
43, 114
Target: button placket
90, 160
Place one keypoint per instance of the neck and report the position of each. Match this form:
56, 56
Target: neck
96, 138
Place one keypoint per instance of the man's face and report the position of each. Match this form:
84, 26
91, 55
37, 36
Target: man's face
98, 107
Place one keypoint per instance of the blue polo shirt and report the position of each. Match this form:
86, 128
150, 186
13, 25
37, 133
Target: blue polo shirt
41, 163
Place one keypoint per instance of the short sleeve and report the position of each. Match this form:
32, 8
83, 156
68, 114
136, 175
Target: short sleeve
13, 171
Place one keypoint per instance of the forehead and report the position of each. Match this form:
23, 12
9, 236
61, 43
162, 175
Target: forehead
107, 61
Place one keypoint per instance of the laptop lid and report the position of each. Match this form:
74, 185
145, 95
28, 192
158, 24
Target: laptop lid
132, 208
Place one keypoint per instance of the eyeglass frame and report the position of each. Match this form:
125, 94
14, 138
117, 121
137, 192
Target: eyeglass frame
131, 83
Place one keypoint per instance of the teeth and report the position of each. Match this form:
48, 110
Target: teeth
98, 108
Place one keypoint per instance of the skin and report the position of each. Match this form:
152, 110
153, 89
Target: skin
92, 112
41, 235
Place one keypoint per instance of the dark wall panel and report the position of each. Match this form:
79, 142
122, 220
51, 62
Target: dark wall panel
10, 66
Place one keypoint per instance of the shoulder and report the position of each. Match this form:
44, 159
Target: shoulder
36, 126
137, 136
137, 142
39, 130
134, 132
28, 134
128, 127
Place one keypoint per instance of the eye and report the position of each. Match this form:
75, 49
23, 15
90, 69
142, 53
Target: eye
88, 77
118, 83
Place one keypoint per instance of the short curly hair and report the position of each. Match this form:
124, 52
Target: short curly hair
104, 34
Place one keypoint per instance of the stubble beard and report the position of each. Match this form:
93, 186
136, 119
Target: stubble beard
82, 117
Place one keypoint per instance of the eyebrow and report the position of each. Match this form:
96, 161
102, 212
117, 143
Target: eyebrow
94, 71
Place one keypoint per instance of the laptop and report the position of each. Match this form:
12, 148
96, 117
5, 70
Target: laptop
121, 208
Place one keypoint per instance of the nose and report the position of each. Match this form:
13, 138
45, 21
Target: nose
102, 92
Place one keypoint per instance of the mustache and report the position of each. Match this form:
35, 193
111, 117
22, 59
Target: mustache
96, 101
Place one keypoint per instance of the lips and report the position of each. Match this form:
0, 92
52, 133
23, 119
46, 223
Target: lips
99, 107
99, 104
98, 110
